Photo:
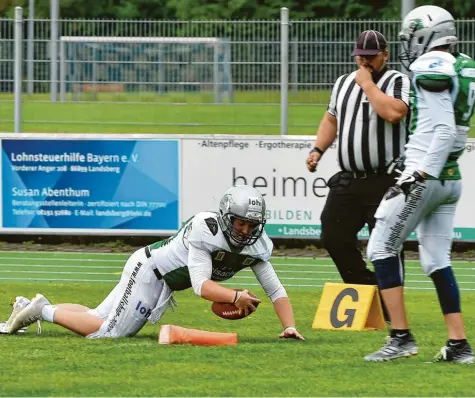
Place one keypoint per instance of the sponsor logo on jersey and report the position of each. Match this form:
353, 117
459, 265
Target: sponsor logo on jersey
146, 312
222, 273
436, 64
125, 298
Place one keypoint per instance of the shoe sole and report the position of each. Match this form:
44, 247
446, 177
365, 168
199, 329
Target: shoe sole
466, 362
407, 355
4, 329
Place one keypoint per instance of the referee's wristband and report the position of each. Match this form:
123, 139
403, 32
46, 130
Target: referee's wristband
318, 150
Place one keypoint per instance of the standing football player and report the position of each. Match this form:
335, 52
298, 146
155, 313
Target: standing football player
209, 248
426, 194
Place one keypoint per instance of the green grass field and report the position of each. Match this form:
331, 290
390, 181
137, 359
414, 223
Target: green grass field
174, 113
329, 363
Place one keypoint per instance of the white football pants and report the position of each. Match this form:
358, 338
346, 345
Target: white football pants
127, 307
430, 211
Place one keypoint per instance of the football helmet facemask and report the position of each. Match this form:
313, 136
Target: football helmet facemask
245, 203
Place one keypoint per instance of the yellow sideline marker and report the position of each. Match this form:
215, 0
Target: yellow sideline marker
349, 307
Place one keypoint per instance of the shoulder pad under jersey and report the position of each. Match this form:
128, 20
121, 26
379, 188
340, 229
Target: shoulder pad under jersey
205, 231
262, 249
434, 63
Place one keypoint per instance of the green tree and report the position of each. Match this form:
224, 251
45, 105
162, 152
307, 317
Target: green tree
233, 9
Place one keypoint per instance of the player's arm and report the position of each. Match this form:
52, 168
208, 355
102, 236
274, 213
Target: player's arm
200, 269
391, 108
435, 91
270, 282
200, 266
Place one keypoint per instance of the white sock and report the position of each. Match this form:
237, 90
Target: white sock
47, 313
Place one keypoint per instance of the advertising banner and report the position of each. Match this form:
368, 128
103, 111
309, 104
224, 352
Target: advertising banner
294, 196
151, 184
90, 185
276, 166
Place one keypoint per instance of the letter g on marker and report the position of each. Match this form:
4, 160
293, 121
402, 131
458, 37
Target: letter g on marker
350, 313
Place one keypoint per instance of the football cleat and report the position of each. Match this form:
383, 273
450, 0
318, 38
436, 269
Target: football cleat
394, 348
19, 303
28, 315
455, 354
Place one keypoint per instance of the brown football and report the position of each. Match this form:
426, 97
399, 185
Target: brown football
229, 311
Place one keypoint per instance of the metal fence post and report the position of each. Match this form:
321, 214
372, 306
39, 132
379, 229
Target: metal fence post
284, 70
17, 68
406, 6
295, 66
54, 14
30, 46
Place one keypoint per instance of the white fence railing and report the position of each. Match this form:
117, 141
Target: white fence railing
284, 66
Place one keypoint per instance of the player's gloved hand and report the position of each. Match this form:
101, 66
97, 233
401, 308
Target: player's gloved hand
291, 333
245, 302
407, 183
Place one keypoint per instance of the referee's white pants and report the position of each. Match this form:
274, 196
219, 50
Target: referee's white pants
430, 211
128, 306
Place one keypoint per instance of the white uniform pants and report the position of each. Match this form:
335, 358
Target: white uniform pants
430, 210
127, 307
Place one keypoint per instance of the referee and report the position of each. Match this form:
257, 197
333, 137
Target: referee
367, 112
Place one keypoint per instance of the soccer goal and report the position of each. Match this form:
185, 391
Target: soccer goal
132, 65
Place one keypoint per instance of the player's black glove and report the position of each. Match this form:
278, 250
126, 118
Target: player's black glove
407, 183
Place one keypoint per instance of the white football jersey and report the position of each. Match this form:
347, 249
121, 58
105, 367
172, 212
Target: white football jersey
203, 232
429, 106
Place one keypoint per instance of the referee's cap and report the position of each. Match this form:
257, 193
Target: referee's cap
370, 42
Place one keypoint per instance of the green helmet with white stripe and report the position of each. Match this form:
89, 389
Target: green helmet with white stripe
423, 29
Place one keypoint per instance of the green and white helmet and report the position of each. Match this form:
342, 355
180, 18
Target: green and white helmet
423, 29
244, 203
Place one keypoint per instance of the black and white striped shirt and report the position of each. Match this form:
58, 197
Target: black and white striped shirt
366, 142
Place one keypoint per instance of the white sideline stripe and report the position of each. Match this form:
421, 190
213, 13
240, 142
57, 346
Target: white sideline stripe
330, 261
83, 260
2, 266
59, 252
333, 265
55, 272
225, 283
59, 280
117, 267
2, 270
113, 267
338, 280
59, 266
86, 253
318, 285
